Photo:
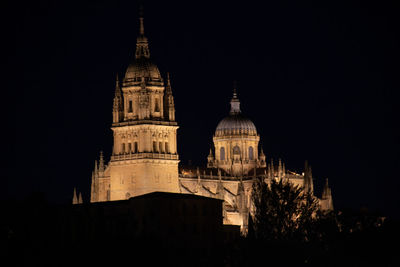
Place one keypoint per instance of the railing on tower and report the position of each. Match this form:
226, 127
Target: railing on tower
129, 156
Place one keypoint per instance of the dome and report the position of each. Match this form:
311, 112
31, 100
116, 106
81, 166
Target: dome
235, 124
142, 67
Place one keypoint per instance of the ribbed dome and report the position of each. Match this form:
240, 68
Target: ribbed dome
142, 67
235, 124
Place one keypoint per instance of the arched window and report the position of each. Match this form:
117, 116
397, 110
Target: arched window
160, 146
136, 147
129, 147
222, 153
123, 148
236, 150
251, 153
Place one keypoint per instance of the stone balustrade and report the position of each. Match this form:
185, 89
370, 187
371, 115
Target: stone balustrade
145, 155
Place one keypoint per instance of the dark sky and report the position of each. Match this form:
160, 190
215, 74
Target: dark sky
320, 81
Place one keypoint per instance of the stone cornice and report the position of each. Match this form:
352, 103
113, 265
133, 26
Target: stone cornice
145, 122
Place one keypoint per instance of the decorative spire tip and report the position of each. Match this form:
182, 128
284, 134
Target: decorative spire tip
141, 15
235, 103
234, 89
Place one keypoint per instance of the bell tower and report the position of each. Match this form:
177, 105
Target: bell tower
144, 157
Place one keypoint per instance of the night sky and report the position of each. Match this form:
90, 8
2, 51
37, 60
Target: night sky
320, 81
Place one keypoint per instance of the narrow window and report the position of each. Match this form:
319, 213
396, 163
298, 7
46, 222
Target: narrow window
222, 153
156, 106
123, 148
136, 147
129, 147
161, 147
130, 109
154, 146
166, 147
251, 155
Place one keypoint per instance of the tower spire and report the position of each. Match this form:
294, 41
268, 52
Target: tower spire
142, 45
74, 197
327, 201
101, 162
80, 200
308, 180
234, 89
116, 81
169, 90
141, 14
326, 193
118, 109
169, 105
235, 103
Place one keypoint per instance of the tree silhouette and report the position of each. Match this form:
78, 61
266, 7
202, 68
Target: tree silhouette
282, 211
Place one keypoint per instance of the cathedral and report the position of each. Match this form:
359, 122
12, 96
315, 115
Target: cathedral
144, 156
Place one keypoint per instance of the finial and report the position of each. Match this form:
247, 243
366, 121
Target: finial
168, 82
141, 15
142, 46
235, 103
101, 161
117, 91
74, 197
326, 192
80, 200
234, 89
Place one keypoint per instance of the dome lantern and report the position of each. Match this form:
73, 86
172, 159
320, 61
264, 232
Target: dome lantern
235, 123
141, 66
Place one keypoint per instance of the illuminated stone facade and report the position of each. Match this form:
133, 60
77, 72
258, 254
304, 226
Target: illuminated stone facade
235, 164
144, 157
